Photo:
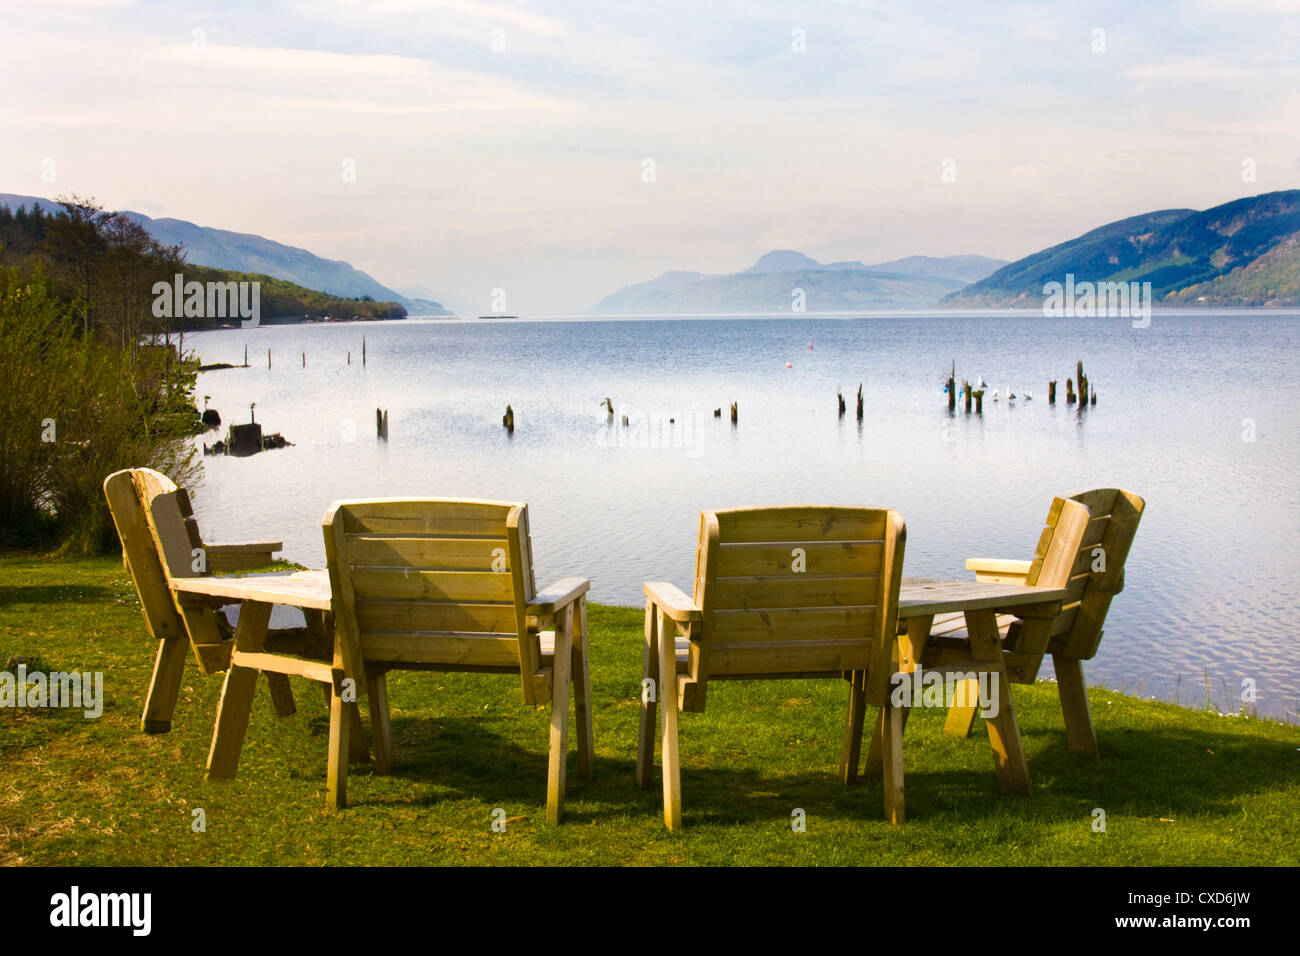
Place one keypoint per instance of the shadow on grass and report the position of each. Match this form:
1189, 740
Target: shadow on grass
1143, 771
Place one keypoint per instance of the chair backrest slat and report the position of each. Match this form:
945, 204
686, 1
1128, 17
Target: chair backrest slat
794, 591
434, 581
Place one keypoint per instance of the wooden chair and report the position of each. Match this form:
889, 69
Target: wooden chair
447, 585
1094, 578
1008, 649
160, 540
792, 592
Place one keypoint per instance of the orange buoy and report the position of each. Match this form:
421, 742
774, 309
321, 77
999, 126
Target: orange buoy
789, 365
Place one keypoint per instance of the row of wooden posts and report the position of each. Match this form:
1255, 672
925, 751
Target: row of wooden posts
304, 356
1085, 396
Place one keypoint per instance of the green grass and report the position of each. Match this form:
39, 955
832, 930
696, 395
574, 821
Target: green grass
1177, 786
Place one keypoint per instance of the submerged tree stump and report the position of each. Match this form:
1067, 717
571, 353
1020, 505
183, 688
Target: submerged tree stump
859, 401
979, 402
1051, 392
966, 396
735, 413
839, 396
508, 420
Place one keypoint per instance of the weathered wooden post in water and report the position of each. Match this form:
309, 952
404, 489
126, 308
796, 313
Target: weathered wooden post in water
735, 413
245, 356
1082, 381
349, 358
268, 358
979, 402
1051, 392
843, 408
966, 396
952, 388
304, 359
1069, 391
363, 350
859, 401
381, 424
508, 420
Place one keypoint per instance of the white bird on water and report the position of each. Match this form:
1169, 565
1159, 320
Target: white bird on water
1029, 396
995, 394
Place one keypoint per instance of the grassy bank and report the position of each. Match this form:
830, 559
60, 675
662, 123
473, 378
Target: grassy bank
1177, 786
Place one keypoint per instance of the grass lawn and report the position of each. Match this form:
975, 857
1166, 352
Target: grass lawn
1177, 786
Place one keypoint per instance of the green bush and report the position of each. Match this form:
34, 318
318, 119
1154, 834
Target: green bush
74, 410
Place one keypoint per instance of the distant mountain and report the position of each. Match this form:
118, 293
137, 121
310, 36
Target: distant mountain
1244, 252
244, 252
916, 282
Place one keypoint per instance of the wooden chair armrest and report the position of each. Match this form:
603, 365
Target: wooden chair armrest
240, 556
557, 596
998, 570
673, 602
244, 547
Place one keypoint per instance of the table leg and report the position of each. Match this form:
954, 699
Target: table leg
1004, 733
237, 694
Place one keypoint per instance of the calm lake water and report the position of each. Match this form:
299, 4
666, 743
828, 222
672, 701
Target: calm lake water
1196, 413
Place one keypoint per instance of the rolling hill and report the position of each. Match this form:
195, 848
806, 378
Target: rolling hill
1242, 253
248, 253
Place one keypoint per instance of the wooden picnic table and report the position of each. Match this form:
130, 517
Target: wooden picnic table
920, 600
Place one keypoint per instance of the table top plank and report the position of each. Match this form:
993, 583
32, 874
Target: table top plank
921, 596
304, 589
917, 597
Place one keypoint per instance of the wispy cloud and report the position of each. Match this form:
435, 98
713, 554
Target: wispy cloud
501, 144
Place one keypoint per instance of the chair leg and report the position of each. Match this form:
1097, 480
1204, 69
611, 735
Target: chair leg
236, 705
281, 694
1073, 690
852, 751
165, 686
961, 717
891, 720
336, 785
557, 767
582, 694
645, 741
876, 752
668, 700
379, 726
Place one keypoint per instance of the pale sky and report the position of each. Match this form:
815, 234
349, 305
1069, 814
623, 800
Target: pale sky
504, 145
